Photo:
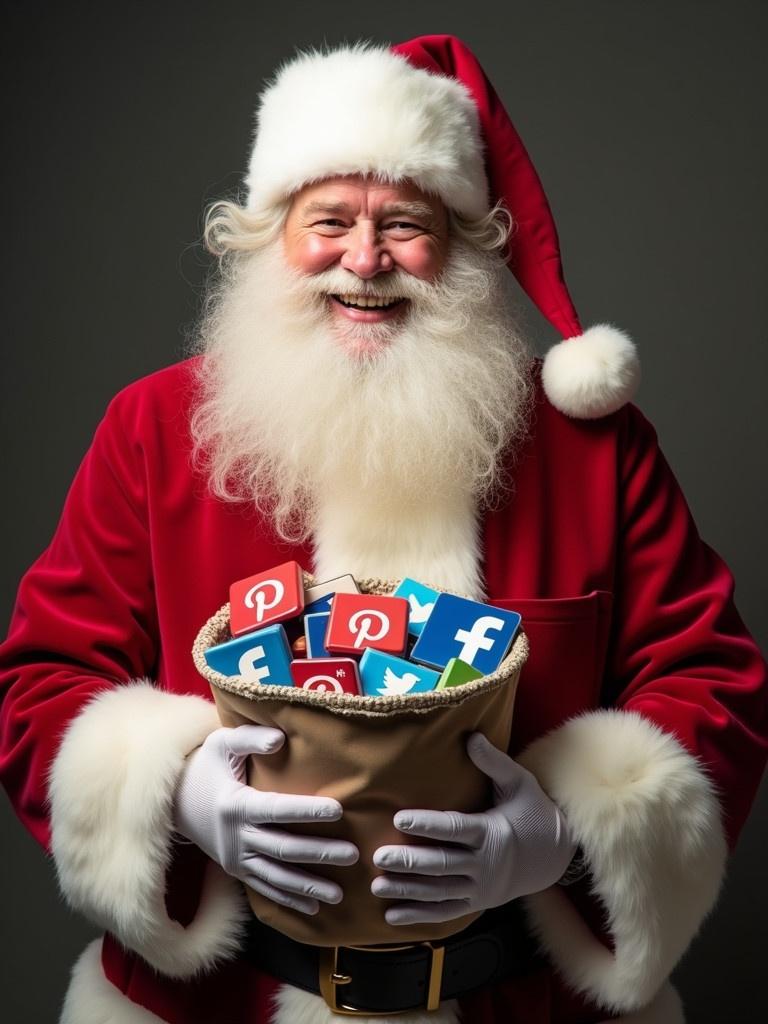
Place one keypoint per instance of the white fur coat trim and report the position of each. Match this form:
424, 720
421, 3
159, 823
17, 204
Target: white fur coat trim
314, 122
645, 814
92, 999
294, 1006
111, 790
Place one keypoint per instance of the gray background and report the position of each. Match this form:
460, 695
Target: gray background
646, 122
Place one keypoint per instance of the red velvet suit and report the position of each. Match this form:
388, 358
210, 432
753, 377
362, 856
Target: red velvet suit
624, 605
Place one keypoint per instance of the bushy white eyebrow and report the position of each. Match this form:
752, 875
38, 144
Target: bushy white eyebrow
410, 210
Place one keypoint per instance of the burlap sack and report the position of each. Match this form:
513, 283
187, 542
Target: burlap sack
376, 755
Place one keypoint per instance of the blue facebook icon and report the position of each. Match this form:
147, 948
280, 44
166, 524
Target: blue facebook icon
477, 633
262, 657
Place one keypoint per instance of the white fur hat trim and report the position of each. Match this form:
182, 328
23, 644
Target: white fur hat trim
363, 109
592, 374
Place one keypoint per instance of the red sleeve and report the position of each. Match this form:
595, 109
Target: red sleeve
84, 619
682, 656
655, 781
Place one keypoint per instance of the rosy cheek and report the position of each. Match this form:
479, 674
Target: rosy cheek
423, 258
313, 253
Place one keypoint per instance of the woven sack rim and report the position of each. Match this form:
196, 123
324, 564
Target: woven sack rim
211, 633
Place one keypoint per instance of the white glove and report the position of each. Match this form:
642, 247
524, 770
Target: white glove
521, 845
235, 824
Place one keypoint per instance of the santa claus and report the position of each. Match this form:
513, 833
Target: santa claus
363, 401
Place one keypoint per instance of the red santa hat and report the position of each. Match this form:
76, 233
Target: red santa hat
424, 110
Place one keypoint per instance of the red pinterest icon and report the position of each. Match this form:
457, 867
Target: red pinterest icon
326, 675
266, 598
361, 620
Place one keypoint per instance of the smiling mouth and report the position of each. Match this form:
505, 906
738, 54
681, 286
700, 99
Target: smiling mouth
366, 302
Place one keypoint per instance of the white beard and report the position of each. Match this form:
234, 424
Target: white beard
380, 441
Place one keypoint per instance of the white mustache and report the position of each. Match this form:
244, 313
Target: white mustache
395, 284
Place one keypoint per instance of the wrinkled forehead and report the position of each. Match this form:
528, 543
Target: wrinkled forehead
360, 194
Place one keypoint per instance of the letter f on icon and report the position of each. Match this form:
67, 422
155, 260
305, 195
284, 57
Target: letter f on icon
249, 668
475, 639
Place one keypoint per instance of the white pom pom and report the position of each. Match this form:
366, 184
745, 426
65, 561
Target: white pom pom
593, 374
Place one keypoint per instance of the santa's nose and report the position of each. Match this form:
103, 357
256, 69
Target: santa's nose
366, 253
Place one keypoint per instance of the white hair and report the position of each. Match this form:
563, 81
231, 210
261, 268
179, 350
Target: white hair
231, 228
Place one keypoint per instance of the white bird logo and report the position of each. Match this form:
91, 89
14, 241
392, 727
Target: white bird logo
397, 684
419, 612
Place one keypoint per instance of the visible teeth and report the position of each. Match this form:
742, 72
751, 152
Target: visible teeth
367, 301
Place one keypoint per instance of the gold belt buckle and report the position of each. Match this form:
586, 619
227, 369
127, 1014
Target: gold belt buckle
331, 979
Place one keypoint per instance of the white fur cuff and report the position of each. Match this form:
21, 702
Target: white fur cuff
111, 791
644, 812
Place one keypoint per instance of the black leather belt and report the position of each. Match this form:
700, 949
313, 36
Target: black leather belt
365, 980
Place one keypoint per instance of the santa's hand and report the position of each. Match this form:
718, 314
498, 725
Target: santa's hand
521, 845
238, 826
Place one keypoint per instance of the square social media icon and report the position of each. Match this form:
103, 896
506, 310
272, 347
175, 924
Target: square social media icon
421, 601
383, 675
267, 597
318, 598
315, 626
365, 620
456, 673
326, 675
478, 634
262, 657
322, 604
